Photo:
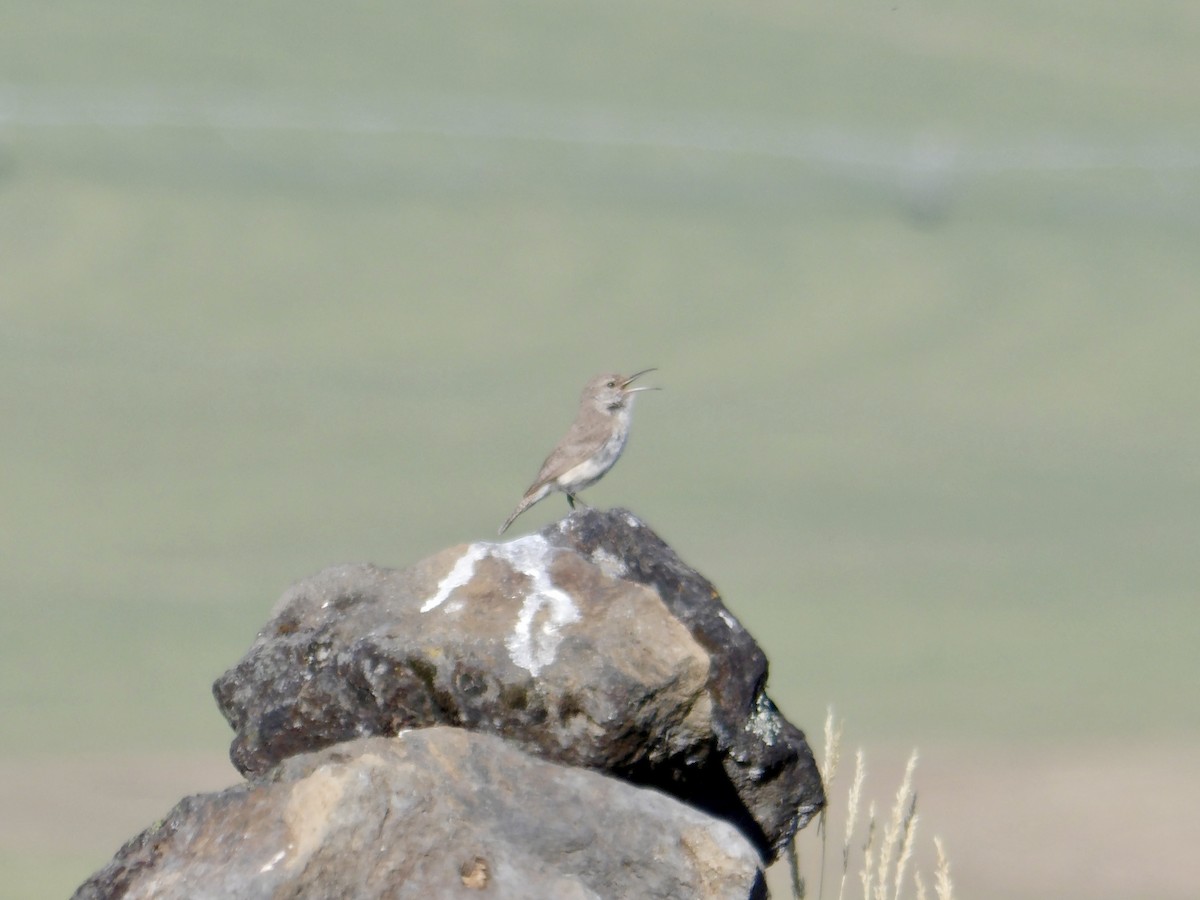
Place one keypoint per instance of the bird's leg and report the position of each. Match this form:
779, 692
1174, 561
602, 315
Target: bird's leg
570, 500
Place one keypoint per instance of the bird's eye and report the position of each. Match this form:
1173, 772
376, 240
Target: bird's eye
611, 384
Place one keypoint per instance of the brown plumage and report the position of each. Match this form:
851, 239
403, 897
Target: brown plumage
592, 444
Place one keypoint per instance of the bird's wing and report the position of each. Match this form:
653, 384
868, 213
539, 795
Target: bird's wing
581, 441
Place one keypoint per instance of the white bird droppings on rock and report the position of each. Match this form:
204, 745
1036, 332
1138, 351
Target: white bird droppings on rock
459, 575
534, 641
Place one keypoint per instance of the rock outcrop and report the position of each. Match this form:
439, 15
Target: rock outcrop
574, 713
435, 813
590, 643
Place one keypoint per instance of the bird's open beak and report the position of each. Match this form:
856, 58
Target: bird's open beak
625, 385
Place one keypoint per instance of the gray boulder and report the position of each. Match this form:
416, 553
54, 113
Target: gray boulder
435, 813
590, 644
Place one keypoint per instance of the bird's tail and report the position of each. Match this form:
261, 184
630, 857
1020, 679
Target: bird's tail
530, 498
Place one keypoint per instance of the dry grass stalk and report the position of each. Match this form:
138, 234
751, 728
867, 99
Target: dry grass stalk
941, 884
894, 829
833, 755
906, 847
833, 749
852, 802
896, 843
868, 869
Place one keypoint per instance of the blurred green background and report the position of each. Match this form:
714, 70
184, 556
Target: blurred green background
286, 285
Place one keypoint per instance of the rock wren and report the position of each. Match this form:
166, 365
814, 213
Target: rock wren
591, 446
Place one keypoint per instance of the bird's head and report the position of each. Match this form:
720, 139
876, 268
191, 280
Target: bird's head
613, 392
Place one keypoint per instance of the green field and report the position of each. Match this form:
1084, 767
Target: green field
291, 285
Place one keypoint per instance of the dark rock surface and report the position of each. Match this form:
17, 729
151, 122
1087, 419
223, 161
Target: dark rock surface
435, 813
590, 644
765, 757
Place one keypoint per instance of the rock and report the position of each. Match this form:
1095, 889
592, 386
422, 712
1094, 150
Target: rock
765, 757
591, 644
434, 813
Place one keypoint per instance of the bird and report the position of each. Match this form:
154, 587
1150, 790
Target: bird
592, 444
